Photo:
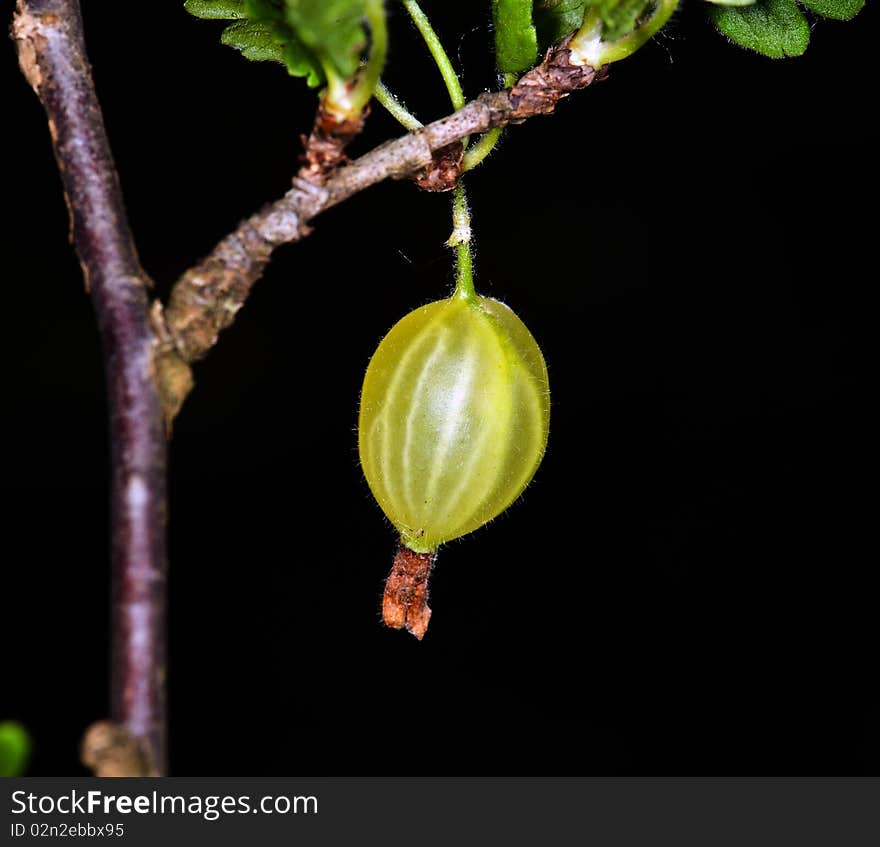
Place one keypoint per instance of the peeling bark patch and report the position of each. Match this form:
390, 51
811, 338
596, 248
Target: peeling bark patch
26, 32
205, 300
538, 92
110, 750
173, 376
405, 602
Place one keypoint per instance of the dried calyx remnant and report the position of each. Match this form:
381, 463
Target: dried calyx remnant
405, 601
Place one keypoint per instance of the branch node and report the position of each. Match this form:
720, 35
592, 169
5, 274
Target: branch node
324, 147
173, 375
110, 750
538, 92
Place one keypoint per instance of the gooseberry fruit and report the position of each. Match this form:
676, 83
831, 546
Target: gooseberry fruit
454, 415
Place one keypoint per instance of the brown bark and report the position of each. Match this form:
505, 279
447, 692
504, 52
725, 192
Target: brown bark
205, 299
53, 58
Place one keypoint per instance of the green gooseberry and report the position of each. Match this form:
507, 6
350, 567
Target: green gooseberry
454, 416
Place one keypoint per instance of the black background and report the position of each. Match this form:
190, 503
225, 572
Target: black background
686, 586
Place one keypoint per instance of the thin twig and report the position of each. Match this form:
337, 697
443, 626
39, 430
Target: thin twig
205, 299
53, 58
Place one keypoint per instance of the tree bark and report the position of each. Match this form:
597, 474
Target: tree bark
53, 58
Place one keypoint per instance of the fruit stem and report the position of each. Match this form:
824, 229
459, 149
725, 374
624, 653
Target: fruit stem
461, 216
461, 240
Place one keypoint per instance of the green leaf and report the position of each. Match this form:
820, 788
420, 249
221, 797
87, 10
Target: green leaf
269, 41
733, 2
311, 38
332, 29
257, 41
300, 61
556, 19
839, 10
265, 10
619, 16
15, 748
216, 9
516, 41
775, 28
